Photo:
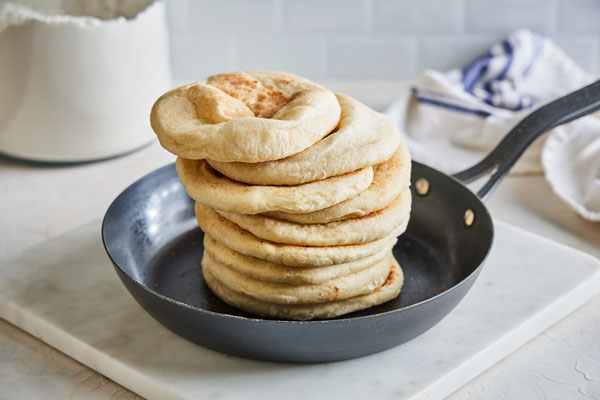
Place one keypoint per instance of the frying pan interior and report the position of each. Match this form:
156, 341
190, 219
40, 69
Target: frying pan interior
153, 237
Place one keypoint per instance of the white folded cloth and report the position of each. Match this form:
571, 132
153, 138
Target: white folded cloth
451, 120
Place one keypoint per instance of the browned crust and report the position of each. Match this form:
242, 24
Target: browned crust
263, 101
392, 276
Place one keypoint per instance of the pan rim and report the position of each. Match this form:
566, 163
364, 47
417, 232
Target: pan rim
263, 321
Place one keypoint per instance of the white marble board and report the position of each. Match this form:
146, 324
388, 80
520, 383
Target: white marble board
66, 293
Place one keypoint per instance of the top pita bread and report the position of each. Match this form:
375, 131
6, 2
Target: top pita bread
362, 138
249, 116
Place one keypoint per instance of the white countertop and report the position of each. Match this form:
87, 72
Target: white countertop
38, 203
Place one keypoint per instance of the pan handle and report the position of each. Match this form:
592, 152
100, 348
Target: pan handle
560, 111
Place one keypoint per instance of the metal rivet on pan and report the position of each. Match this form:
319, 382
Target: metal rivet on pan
469, 217
422, 186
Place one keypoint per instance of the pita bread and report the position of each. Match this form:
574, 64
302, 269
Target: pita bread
206, 186
389, 180
365, 229
279, 273
388, 291
362, 138
242, 241
249, 116
344, 287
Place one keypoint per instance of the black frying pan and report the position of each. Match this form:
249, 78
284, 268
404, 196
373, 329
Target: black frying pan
151, 236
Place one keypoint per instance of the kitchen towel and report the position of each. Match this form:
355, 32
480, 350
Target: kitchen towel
451, 120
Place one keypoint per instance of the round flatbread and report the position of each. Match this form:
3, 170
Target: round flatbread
389, 180
365, 229
344, 287
279, 273
206, 186
388, 291
249, 116
362, 138
242, 241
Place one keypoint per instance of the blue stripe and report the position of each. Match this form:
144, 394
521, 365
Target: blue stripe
454, 107
488, 86
509, 55
474, 71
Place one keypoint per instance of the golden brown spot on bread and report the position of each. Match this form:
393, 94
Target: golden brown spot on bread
377, 213
233, 81
266, 107
263, 101
294, 246
374, 214
393, 164
391, 277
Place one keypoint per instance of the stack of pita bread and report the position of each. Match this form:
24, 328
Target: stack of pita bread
301, 192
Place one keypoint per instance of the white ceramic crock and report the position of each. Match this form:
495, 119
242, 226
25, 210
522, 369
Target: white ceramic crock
78, 91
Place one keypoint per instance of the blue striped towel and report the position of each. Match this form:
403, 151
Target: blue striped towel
450, 120
492, 78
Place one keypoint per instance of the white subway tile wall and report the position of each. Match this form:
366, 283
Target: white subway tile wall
366, 39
